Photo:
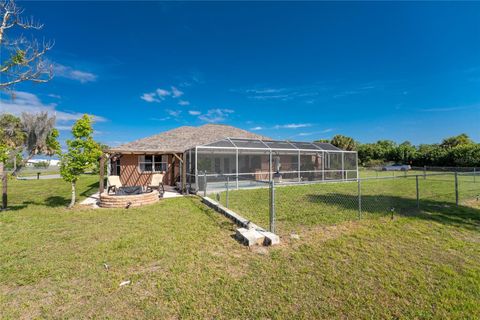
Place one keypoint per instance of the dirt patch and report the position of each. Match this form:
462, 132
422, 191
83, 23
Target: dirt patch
472, 203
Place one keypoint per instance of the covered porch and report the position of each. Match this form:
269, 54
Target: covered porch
137, 168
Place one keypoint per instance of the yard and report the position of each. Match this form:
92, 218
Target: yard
183, 262
303, 206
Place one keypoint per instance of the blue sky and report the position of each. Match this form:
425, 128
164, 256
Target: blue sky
299, 71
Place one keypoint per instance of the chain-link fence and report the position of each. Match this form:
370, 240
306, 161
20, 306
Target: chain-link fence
288, 207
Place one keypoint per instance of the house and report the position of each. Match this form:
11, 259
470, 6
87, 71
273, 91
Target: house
135, 162
50, 162
216, 151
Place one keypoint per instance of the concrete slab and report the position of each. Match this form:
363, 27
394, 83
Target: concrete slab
271, 239
249, 237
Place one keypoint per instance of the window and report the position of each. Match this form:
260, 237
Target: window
153, 163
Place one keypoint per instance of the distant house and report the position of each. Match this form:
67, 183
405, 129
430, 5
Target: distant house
186, 153
51, 162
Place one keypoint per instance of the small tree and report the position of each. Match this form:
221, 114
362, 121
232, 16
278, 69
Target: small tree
12, 139
82, 153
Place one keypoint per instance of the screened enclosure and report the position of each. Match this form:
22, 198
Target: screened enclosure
245, 161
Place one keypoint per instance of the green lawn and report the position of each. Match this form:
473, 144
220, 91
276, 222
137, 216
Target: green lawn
183, 263
302, 206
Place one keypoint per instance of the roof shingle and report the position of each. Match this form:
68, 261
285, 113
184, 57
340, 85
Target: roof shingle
183, 138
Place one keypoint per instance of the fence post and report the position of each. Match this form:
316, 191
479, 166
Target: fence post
418, 192
424, 172
456, 188
474, 173
226, 197
205, 183
359, 199
272, 206
4, 178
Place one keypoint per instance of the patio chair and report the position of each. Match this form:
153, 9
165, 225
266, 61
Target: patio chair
157, 183
114, 183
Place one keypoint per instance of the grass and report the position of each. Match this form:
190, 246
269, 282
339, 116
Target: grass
32, 171
183, 263
310, 205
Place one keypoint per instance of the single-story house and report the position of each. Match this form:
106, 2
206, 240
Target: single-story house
213, 150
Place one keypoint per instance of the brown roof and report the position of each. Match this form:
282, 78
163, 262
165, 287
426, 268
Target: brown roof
183, 138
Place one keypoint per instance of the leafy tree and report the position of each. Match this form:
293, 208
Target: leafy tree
452, 142
83, 153
405, 153
21, 59
344, 142
41, 164
12, 139
11, 134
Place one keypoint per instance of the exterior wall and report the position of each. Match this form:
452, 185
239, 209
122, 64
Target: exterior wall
130, 174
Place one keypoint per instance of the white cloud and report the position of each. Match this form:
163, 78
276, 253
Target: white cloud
160, 119
150, 97
163, 93
69, 73
215, 115
194, 112
303, 134
30, 103
447, 109
266, 90
64, 128
183, 102
56, 96
283, 94
174, 113
292, 126
176, 93
256, 128
283, 97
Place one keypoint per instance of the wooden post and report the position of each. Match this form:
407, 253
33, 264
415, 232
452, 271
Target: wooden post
183, 165
4, 177
101, 185
456, 189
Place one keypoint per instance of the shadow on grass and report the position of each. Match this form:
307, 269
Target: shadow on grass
91, 189
54, 201
212, 214
380, 205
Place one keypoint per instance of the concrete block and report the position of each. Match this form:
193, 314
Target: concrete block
271, 239
250, 237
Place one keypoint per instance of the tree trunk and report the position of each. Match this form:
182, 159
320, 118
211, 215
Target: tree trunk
72, 202
4, 177
24, 163
101, 186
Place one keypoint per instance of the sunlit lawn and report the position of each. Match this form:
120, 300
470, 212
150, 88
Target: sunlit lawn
183, 262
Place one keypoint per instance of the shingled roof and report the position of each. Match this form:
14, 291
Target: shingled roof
183, 138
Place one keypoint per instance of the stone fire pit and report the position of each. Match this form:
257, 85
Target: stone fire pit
127, 199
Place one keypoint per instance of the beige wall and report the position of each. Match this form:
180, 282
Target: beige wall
130, 174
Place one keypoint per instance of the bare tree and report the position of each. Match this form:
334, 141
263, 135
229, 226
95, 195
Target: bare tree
24, 59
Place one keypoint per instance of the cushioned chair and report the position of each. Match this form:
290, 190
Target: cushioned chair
114, 183
157, 183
